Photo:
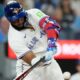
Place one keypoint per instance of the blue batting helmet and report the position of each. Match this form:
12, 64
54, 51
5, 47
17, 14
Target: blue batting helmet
14, 11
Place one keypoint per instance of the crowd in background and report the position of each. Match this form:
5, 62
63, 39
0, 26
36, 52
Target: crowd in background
65, 12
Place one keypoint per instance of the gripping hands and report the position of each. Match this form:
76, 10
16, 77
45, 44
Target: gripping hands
51, 50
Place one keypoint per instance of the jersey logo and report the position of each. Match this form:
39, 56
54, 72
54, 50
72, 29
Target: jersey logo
41, 34
32, 42
40, 14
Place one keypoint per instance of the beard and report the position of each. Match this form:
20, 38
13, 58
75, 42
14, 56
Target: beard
25, 25
19, 28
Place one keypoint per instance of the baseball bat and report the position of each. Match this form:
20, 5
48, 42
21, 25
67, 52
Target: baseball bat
24, 74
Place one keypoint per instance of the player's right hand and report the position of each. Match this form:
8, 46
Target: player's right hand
35, 60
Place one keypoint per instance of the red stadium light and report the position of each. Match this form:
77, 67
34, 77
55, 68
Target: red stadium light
68, 49
11, 53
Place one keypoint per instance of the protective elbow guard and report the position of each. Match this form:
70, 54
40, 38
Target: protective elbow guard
50, 26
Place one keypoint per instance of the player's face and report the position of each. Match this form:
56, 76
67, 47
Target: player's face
19, 23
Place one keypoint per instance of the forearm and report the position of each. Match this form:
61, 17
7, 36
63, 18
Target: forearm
30, 58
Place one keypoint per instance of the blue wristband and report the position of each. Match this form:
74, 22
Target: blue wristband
51, 44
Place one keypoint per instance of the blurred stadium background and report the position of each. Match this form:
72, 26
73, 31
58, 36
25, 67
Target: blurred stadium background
67, 13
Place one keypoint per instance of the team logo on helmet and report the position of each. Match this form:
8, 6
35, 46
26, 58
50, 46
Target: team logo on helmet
16, 10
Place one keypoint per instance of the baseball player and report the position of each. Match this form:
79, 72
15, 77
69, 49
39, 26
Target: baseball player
33, 34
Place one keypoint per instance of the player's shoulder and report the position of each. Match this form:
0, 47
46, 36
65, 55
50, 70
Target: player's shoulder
35, 13
13, 34
33, 10
12, 31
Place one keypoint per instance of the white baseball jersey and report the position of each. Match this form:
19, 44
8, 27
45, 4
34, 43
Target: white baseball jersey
26, 40
33, 40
